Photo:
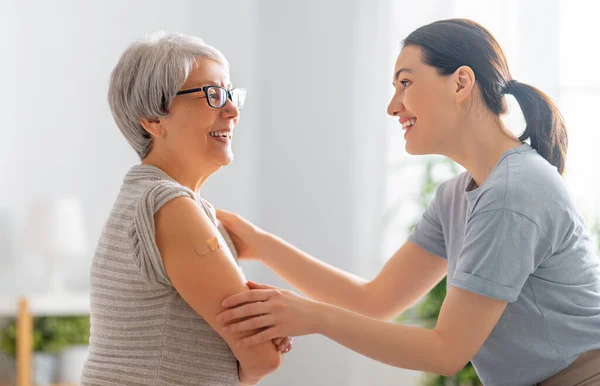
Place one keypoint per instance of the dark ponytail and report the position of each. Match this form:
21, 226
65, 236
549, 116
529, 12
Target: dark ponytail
450, 44
545, 127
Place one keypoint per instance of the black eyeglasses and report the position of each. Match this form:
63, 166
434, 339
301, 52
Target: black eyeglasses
217, 96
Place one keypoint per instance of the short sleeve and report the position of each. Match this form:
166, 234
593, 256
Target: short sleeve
228, 241
143, 231
500, 250
428, 234
212, 215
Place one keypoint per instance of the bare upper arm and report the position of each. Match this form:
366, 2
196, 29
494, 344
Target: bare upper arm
466, 320
407, 276
204, 280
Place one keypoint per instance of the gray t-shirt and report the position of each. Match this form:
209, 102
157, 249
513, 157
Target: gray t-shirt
519, 238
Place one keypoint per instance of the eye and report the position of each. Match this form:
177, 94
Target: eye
405, 83
214, 94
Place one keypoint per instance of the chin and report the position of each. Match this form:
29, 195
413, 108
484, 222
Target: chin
417, 150
411, 149
225, 160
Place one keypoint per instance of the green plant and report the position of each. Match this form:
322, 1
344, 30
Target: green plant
50, 334
8, 338
72, 330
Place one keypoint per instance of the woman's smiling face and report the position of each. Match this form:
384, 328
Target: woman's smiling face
424, 103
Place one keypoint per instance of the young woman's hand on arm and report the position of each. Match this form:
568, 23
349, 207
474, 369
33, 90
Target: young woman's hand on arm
466, 320
204, 278
407, 276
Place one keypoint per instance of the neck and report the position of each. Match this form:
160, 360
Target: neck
179, 169
481, 144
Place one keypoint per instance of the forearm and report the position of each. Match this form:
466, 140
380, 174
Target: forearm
407, 347
314, 278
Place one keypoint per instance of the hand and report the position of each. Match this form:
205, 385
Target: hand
276, 312
246, 236
284, 345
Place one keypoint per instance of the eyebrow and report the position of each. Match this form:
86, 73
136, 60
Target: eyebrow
228, 86
404, 69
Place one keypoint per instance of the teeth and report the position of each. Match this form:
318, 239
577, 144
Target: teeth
220, 134
409, 123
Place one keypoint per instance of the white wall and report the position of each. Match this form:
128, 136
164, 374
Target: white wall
8, 151
307, 141
325, 79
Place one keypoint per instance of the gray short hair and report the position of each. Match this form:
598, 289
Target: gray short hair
147, 77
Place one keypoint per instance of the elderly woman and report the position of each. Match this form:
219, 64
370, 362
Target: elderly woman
163, 264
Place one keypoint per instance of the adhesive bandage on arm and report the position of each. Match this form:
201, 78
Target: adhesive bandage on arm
210, 245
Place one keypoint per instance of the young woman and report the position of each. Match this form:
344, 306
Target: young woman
523, 277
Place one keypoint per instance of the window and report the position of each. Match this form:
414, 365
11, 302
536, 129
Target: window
579, 100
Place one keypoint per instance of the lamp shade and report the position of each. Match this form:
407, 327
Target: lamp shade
56, 228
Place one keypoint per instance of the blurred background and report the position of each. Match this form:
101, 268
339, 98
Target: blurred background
317, 160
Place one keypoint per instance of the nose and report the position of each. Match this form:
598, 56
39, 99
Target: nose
230, 110
396, 106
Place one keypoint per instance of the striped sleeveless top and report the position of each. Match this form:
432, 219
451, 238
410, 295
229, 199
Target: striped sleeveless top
142, 331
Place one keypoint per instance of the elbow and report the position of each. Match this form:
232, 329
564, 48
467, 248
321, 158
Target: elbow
381, 309
369, 309
378, 314
450, 366
445, 366
273, 362
448, 361
450, 371
267, 364
376, 310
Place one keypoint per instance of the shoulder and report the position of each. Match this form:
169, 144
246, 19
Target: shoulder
453, 188
523, 182
182, 218
155, 186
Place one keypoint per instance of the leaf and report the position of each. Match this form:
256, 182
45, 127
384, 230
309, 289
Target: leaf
50, 334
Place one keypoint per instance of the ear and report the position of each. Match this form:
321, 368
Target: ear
153, 126
463, 83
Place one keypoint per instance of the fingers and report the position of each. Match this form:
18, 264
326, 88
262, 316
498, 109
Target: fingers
224, 215
283, 345
228, 218
277, 341
258, 338
241, 312
246, 297
254, 285
225, 219
249, 324
286, 345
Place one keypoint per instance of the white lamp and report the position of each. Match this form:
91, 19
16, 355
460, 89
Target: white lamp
56, 230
